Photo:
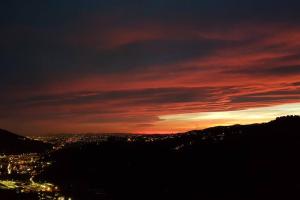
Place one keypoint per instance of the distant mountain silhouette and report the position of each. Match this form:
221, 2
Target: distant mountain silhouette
13, 143
282, 129
240, 162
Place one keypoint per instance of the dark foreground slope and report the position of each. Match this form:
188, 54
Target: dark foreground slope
11, 143
260, 161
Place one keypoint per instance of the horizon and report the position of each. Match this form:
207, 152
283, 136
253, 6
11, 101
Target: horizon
149, 133
155, 66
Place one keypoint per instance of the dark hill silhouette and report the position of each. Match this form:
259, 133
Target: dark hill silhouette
240, 162
13, 143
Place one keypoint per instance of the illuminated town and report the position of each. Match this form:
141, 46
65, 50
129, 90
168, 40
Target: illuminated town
18, 172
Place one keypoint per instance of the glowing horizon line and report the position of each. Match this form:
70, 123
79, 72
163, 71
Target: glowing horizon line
251, 114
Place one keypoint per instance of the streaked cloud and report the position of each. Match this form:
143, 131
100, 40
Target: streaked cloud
102, 65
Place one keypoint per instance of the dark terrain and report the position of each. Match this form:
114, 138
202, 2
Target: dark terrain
240, 162
259, 161
11, 143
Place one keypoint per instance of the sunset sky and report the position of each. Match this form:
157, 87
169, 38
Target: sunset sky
155, 66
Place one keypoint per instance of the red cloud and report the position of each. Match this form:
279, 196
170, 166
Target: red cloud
249, 71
